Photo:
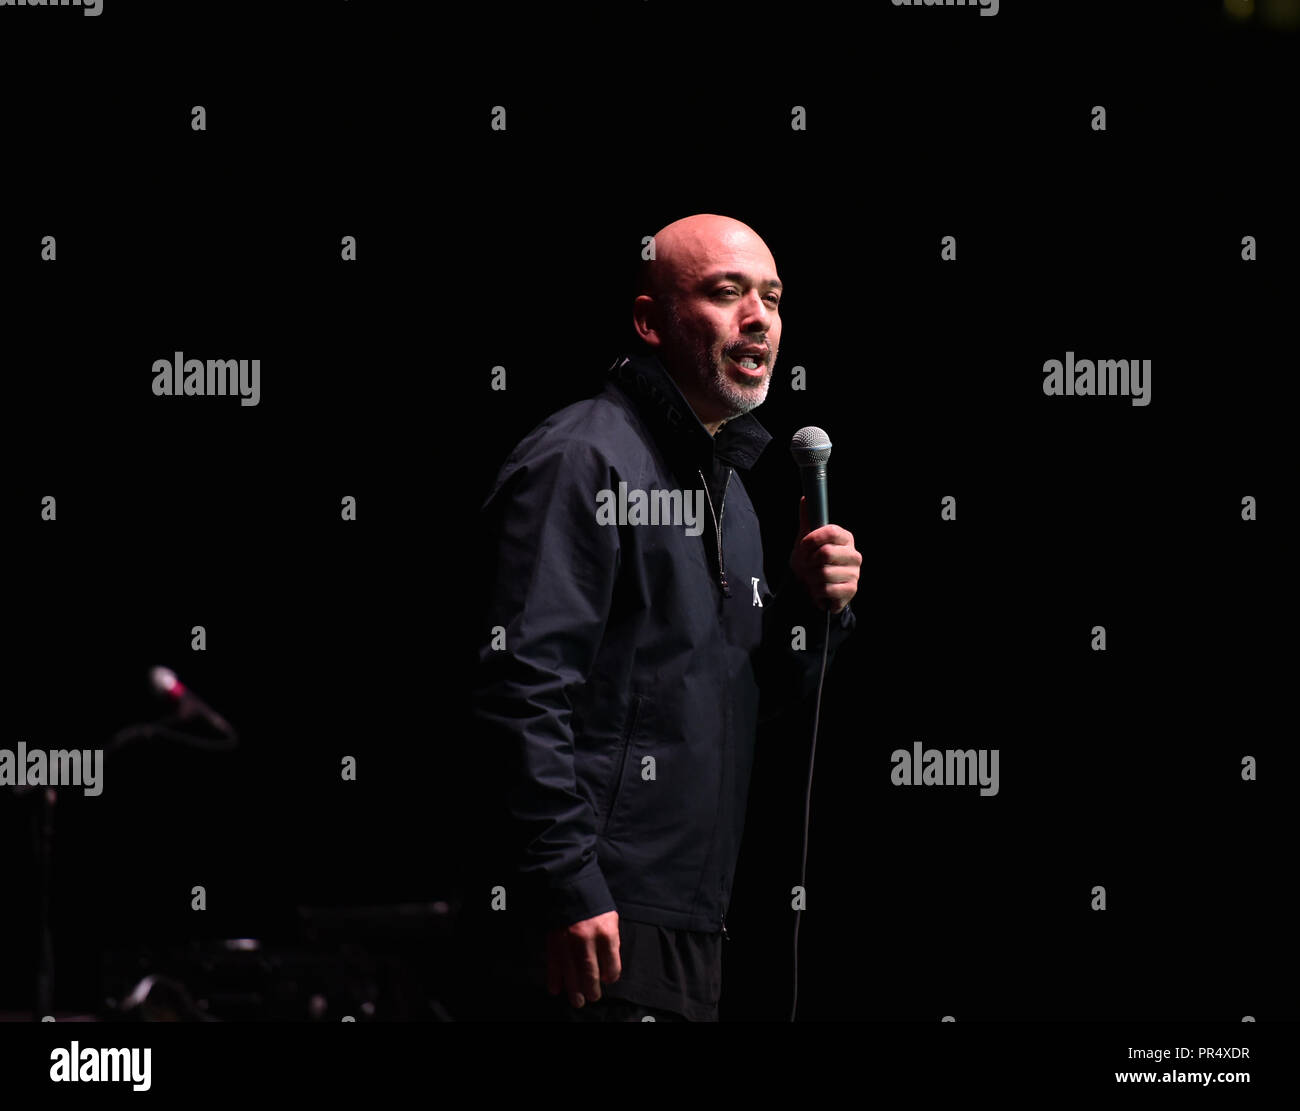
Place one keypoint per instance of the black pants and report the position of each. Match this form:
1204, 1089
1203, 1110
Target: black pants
498, 1001
610, 1009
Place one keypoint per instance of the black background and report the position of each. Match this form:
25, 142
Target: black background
479, 248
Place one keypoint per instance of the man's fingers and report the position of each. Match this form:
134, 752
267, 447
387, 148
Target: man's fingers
831, 555
837, 573
607, 951
834, 554
835, 591
572, 981
587, 966
827, 534
580, 956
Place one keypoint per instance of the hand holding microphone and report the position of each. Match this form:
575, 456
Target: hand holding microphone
824, 558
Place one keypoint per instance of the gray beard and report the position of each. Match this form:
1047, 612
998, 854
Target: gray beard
706, 373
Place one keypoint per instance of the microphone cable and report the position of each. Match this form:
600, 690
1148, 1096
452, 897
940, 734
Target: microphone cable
807, 810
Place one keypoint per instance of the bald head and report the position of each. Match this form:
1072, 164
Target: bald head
707, 306
684, 248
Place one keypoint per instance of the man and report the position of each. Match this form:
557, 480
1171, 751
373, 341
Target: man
632, 658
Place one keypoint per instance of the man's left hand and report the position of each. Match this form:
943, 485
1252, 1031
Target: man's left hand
826, 562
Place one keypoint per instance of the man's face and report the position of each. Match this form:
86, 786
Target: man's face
722, 317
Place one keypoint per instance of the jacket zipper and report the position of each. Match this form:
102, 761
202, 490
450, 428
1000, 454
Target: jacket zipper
717, 526
722, 578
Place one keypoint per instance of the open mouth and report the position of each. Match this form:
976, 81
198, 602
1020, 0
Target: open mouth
750, 365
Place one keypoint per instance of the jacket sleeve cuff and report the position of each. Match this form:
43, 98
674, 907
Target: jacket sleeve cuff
584, 897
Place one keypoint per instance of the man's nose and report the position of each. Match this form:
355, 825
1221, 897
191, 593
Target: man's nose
757, 314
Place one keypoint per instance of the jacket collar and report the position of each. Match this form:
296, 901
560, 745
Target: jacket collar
657, 397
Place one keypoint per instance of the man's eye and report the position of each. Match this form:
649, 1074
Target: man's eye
771, 297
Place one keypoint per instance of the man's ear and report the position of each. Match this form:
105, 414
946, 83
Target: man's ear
646, 319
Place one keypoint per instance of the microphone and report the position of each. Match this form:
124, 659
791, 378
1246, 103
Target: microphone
164, 681
811, 447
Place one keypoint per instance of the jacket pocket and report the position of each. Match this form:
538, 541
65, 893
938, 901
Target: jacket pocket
634, 715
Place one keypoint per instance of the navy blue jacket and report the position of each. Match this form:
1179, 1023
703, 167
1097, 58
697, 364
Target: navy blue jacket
621, 643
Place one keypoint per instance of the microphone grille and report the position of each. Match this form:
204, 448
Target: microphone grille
163, 679
810, 446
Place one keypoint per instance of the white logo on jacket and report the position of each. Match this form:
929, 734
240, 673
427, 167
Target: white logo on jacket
757, 600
